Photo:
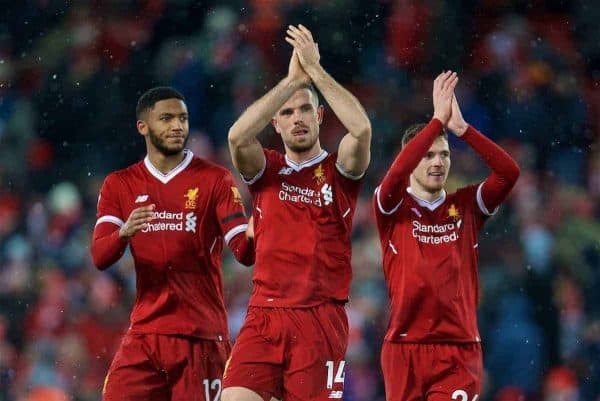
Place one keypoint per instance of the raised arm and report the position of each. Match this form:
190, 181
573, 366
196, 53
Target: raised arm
354, 151
393, 186
246, 151
505, 170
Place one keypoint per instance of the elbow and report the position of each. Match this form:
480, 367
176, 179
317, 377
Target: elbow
365, 131
100, 259
99, 262
514, 173
233, 138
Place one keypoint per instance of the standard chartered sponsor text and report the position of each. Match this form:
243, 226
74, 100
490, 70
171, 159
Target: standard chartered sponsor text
430, 233
293, 193
165, 221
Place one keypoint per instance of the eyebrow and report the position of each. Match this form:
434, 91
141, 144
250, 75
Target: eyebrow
166, 114
302, 106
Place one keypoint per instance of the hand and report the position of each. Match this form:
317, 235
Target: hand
250, 229
138, 220
295, 71
302, 41
457, 124
443, 92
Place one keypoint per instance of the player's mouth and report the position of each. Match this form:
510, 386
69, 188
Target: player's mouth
176, 137
300, 131
436, 174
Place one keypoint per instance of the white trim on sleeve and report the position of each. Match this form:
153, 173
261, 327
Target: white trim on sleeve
481, 205
235, 231
381, 209
348, 175
256, 177
110, 219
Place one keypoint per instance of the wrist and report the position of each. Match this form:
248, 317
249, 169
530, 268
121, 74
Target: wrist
461, 129
440, 118
313, 70
292, 83
123, 236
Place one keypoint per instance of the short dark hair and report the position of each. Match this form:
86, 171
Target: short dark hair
414, 129
156, 94
312, 89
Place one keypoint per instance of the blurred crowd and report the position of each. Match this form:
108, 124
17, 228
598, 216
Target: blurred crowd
71, 72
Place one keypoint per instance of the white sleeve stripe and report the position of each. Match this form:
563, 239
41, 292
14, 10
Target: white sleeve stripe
110, 219
235, 231
481, 205
381, 209
256, 177
348, 175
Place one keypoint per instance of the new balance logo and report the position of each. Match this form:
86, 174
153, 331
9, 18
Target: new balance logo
336, 394
285, 171
141, 198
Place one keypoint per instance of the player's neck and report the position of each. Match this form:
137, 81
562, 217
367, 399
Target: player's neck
164, 163
301, 157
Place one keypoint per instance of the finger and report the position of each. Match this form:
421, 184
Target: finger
292, 42
437, 83
139, 227
452, 84
306, 32
301, 34
448, 80
296, 34
144, 208
137, 222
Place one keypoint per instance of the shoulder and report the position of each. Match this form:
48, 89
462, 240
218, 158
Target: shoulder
465, 192
207, 168
123, 174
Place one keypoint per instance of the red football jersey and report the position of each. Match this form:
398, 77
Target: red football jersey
302, 225
178, 257
430, 263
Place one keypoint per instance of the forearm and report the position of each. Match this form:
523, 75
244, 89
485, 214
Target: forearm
505, 170
243, 249
107, 246
256, 117
343, 103
493, 155
406, 161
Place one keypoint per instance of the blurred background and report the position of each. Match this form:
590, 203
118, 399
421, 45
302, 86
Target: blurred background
71, 73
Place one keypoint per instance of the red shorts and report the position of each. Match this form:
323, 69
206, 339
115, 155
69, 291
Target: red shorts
153, 367
432, 372
291, 353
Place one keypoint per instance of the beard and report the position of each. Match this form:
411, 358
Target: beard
302, 146
162, 147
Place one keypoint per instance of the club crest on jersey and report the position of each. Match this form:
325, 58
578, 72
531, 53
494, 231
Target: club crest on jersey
453, 213
237, 197
319, 175
191, 195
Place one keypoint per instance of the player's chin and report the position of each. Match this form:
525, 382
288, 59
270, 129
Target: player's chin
173, 149
436, 185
